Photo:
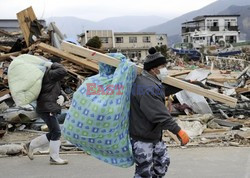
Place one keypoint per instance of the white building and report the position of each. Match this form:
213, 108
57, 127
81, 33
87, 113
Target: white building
211, 29
132, 44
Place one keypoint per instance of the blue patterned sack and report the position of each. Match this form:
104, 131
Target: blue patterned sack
97, 120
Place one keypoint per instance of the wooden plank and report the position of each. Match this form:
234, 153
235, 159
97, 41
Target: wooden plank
242, 73
90, 54
70, 57
5, 33
31, 13
218, 84
5, 49
178, 73
4, 92
7, 56
25, 17
201, 91
1, 71
207, 130
95, 49
230, 124
242, 90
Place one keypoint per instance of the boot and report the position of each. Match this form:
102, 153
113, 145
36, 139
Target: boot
54, 147
35, 143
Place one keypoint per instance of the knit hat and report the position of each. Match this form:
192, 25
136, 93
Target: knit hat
154, 59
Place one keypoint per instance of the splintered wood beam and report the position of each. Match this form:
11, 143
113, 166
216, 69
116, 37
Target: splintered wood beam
176, 74
70, 57
7, 56
90, 54
5, 49
201, 91
25, 17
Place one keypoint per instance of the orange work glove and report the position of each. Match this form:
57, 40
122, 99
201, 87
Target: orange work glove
183, 137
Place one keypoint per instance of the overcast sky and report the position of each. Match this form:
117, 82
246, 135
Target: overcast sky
99, 9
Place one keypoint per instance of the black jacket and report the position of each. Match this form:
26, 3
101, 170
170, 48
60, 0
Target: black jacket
148, 113
51, 89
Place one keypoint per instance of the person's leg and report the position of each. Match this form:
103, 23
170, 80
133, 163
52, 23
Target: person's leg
54, 137
143, 155
53, 125
35, 143
161, 160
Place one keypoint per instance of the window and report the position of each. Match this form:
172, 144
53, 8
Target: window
146, 39
160, 38
217, 39
215, 23
134, 54
209, 24
119, 39
231, 24
104, 39
231, 39
132, 39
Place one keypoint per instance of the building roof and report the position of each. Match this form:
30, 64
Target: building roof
128, 33
193, 21
86, 31
201, 18
206, 16
134, 33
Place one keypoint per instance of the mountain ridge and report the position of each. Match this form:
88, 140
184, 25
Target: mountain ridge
72, 26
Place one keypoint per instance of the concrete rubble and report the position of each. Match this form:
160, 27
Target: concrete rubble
208, 122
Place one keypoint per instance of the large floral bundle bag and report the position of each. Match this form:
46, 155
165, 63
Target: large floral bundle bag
97, 120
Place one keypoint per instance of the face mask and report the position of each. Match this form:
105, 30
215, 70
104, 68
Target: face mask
163, 74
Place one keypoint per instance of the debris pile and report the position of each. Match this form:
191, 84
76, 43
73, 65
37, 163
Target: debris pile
45, 43
207, 121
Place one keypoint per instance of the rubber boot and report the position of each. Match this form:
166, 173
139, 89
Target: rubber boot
35, 143
54, 147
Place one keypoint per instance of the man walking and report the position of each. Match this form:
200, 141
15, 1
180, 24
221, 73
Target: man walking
48, 107
149, 117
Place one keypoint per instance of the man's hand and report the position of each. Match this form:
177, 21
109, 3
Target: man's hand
60, 100
183, 137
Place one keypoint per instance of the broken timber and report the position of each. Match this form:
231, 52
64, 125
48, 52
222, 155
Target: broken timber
180, 73
90, 54
25, 18
5, 49
7, 56
70, 57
